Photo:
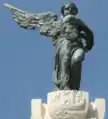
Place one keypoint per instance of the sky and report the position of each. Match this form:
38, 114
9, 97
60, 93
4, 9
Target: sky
27, 59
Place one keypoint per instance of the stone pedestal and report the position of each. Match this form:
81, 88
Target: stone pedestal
68, 105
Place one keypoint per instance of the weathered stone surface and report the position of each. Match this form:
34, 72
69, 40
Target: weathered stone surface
68, 104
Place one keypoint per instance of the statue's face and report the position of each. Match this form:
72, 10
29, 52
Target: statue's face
67, 11
70, 9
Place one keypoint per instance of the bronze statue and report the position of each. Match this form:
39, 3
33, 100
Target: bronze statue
68, 33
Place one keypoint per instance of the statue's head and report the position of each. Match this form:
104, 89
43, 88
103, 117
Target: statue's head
69, 8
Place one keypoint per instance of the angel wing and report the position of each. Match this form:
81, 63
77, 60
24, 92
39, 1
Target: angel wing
45, 21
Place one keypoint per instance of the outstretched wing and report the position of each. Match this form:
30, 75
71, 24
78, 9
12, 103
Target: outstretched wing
32, 20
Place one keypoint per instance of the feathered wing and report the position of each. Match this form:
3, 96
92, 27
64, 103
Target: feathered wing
44, 21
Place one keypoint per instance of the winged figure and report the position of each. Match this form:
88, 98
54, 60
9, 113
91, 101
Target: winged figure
68, 33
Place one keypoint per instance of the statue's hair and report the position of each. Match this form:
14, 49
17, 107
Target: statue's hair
73, 7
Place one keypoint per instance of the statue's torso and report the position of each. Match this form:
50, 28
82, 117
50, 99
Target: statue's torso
69, 32
69, 29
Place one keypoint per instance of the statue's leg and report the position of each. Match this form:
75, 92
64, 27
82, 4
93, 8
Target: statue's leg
76, 67
63, 62
55, 72
64, 70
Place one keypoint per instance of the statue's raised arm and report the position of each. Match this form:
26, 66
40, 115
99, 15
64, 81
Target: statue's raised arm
44, 21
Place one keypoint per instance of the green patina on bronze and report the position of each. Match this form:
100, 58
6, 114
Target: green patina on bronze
67, 33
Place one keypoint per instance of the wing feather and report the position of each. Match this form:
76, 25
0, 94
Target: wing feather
31, 20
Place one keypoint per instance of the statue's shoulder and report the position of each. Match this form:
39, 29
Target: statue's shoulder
69, 18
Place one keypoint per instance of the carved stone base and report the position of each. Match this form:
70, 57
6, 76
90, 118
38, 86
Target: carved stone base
68, 105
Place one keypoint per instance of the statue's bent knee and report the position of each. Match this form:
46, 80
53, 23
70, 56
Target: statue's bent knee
78, 56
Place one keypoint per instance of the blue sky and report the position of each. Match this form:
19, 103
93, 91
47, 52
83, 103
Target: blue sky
26, 58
